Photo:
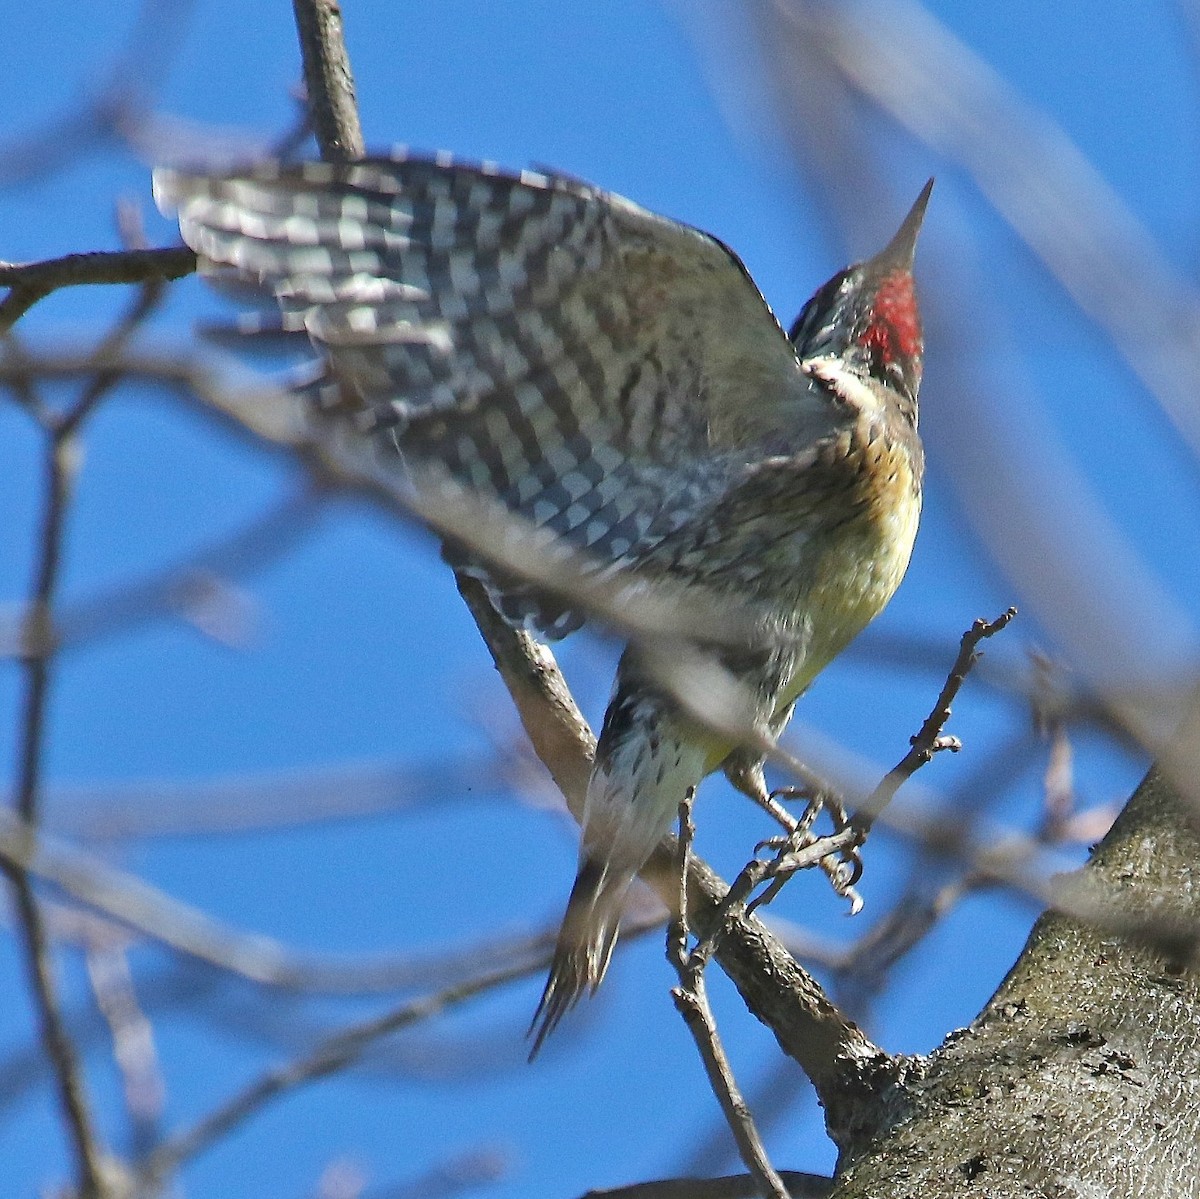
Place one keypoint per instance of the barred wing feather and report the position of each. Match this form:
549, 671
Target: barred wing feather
604, 372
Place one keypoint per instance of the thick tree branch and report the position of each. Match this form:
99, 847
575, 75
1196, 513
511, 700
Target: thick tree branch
1079, 1077
560, 736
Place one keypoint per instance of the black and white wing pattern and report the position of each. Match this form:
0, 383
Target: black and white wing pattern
603, 372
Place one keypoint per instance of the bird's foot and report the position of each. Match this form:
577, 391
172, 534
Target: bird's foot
838, 854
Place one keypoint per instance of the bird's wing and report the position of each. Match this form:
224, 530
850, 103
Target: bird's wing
594, 367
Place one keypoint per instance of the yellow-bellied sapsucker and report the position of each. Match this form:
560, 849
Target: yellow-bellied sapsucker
616, 378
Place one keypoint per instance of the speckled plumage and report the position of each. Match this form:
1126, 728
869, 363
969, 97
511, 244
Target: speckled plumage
615, 378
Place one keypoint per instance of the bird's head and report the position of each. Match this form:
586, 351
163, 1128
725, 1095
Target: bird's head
867, 317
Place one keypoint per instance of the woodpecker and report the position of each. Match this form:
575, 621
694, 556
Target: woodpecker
616, 379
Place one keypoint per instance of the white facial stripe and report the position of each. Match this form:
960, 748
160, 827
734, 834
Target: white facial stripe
845, 384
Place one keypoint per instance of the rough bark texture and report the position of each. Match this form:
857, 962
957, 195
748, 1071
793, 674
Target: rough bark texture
1082, 1075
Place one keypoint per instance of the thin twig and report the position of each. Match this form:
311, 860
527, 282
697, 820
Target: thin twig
149, 296
60, 467
332, 1054
339, 458
691, 1001
800, 850
677, 927
929, 741
61, 456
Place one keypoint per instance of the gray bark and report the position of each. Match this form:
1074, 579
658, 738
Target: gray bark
1081, 1077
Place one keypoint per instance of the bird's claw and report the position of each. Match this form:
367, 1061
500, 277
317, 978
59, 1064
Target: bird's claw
843, 866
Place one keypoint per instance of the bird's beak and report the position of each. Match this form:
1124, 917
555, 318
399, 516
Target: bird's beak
900, 250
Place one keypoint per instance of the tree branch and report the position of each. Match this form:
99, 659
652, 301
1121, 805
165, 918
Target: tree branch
60, 466
332, 1054
29, 282
328, 79
691, 1001
929, 740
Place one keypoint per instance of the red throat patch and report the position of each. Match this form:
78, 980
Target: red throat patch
895, 328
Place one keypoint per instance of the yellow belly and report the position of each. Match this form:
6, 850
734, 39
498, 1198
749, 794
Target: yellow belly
852, 582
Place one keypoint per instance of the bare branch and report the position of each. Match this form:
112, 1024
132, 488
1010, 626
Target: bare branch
331, 1055
60, 468
30, 282
149, 296
800, 850
691, 1001
559, 734
328, 79
929, 740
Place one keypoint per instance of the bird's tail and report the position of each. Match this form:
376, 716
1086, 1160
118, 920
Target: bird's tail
585, 945
646, 762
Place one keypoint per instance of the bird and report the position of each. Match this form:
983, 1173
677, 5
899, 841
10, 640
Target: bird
616, 381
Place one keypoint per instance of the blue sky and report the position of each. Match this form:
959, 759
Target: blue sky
359, 653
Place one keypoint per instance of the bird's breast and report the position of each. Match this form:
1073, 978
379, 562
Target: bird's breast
856, 554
